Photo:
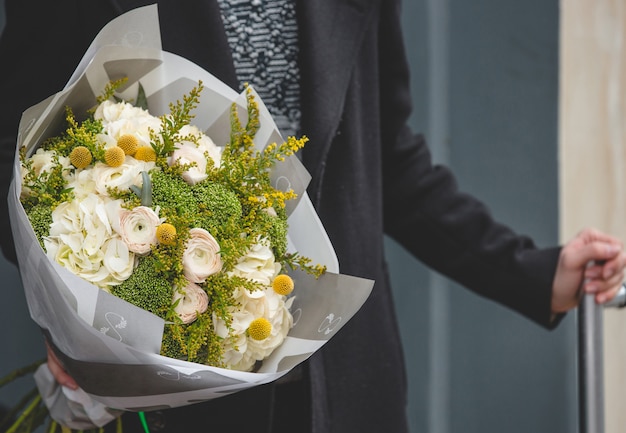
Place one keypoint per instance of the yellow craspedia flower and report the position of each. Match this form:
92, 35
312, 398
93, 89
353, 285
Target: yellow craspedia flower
114, 156
166, 234
80, 157
145, 153
260, 329
128, 143
283, 284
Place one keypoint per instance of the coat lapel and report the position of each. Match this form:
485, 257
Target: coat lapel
331, 32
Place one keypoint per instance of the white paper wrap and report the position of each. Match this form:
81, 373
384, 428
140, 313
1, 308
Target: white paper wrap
111, 347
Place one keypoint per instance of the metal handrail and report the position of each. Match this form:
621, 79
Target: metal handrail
590, 354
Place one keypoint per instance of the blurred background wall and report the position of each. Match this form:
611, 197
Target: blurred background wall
592, 111
21, 341
485, 86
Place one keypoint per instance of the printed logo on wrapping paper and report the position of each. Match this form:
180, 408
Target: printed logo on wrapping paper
296, 315
115, 322
329, 324
176, 375
131, 39
283, 183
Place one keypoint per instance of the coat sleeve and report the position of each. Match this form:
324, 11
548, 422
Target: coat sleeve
450, 231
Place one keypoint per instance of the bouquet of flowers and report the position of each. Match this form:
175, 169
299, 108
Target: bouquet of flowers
154, 212
161, 224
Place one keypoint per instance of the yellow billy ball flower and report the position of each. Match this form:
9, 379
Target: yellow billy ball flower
260, 329
128, 143
166, 234
80, 157
283, 284
114, 156
145, 153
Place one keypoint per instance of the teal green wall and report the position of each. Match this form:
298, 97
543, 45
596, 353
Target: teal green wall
485, 81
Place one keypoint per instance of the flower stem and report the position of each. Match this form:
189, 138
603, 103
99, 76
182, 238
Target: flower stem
18, 407
17, 373
29, 410
53, 426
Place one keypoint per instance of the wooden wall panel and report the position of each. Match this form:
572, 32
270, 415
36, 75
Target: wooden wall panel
592, 146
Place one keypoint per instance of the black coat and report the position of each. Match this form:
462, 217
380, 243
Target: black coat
371, 175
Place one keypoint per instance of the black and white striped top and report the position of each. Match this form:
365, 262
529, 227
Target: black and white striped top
263, 36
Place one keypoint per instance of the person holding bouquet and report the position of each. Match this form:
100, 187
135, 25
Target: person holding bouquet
331, 73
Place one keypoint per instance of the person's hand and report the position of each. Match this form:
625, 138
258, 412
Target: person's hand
593, 263
58, 371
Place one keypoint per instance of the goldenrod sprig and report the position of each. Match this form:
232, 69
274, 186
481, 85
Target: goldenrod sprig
296, 261
164, 142
110, 89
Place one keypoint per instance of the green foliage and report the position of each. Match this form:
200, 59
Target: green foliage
110, 89
47, 188
77, 134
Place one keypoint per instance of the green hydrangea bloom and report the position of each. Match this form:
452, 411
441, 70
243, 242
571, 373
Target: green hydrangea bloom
146, 288
219, 206
40, 217
172, 195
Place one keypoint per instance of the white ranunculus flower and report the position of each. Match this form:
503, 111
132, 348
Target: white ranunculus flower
192, 300
258, 264
201, 257
122, 177
137, 228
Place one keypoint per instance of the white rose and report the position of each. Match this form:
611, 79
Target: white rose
122, 177
192, 300
119, 118
201, 257
205, 144
138, 229
258, 264
43, 161
188, 153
